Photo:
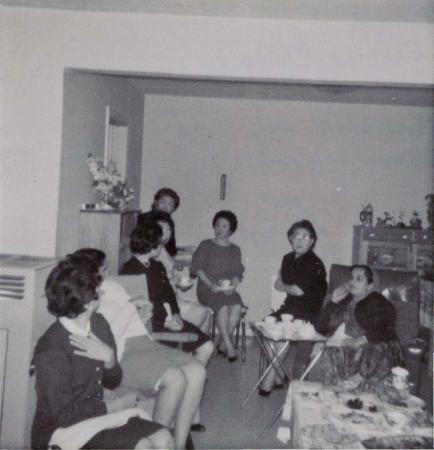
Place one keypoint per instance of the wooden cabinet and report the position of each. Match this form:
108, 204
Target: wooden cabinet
108, 231
393, 248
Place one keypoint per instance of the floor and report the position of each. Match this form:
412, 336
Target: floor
229, 426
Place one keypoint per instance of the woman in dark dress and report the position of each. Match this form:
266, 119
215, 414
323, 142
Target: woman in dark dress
145, 244
214, 262
74, 360
166, 200
364, 344
302, 277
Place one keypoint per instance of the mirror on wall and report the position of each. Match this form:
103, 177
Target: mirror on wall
115, 141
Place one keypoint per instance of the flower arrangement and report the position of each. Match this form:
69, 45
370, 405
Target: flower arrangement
108, 181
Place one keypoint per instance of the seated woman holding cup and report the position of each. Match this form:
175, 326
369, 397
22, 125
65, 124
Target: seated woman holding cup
73, 360
192, 311
217, 263
363, 344
146, 245
302, 277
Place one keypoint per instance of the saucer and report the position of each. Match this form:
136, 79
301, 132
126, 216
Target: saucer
225, 288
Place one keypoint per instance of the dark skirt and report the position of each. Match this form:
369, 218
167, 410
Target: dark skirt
188, 327
216, 300
125, 437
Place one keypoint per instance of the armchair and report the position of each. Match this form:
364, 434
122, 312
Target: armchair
401, 288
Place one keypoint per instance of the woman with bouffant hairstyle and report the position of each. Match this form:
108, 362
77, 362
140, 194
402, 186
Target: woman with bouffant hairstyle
74, 360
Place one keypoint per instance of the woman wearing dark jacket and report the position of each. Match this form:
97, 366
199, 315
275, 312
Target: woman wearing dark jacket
361, 326
74, 360
302, 277
145, 244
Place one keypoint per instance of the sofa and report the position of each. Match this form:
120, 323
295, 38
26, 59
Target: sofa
401, 288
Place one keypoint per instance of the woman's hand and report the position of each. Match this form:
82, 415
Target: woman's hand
340, 292
140, 301
291, 289
215, 288
278, 285
93, 348
173, 324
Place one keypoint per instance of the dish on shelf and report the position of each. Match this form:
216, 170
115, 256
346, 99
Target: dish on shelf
386, 259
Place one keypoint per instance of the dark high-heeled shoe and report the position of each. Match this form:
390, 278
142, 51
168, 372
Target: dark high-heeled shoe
198, 427
263, 392
220, 351
189, 445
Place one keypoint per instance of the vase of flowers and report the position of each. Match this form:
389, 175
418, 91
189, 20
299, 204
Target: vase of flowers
107, 181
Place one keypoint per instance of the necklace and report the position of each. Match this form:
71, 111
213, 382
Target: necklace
146, 263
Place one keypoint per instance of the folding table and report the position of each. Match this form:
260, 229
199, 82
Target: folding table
266, 343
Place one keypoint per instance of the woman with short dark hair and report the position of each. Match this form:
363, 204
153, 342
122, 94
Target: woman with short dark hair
167, 201
302, 277
217, 263
191, 310
74, 359
145, 244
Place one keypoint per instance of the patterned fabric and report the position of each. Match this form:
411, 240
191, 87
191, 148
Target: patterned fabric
371, 361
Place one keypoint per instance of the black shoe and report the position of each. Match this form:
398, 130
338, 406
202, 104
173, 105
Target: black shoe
189, 443
282, 385
231, 359
263, 392
198, 427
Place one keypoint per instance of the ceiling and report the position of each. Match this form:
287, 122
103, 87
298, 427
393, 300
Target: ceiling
261, 90
357, 10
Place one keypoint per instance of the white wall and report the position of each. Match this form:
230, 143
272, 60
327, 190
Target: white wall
85, 99
37, 45
285, 160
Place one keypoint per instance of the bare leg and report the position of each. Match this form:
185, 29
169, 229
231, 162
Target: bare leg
204, 353
161, 439
170, 394
195, 375
234, 317
144, 443
223, 326
196, 314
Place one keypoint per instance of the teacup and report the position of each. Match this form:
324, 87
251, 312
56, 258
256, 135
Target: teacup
270, 320
185, 281
286, 317
225, 283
